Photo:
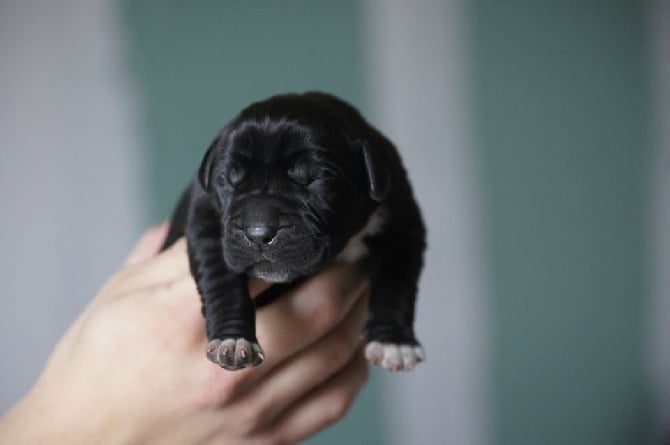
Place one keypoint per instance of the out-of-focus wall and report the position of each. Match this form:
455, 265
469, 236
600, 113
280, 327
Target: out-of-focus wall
70, 169
562, 119
659, 309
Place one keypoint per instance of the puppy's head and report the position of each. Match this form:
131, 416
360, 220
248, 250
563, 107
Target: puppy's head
294, 177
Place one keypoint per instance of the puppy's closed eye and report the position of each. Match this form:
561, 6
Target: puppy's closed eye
236, 174
300, 174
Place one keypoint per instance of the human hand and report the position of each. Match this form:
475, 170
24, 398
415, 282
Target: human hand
132, 368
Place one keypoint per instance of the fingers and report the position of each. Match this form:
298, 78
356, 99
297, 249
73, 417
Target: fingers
289, 325
305, 371
175, 314
257, 286
321, 407
163, 268
148, 245
152, 240
307, 313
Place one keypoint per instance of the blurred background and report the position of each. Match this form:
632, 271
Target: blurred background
536, 134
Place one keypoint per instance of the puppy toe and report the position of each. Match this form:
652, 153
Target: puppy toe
226, 354
213, 350
233, 354
258, 355
409, 360
394, 357
420, 354
248, 354
374, 352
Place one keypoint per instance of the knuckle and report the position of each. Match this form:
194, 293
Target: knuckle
215, 389
223, 395
329, 288
229, 385
250, 420
210, 398
205, 400
160, 291
326, 311
339, 401
165, 289
340, 351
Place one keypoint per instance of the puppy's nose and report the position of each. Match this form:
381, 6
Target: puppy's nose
260, 234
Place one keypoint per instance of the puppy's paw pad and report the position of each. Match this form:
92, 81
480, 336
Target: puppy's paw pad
394, 357
233, 354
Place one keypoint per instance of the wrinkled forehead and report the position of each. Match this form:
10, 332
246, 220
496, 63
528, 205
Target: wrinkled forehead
275, 141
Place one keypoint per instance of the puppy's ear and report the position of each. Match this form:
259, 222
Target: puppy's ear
378, 174
205, 171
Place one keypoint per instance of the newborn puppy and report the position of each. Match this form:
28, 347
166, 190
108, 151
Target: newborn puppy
290, 185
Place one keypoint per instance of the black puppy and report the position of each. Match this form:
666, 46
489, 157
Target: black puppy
290, 185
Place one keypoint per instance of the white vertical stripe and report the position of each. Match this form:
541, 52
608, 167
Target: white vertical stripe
69, 173
660, 305
417, 78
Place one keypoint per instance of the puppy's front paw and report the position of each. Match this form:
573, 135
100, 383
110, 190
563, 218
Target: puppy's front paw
394, 357
233, 354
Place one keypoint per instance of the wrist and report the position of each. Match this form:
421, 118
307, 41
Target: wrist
27, 423
37, 419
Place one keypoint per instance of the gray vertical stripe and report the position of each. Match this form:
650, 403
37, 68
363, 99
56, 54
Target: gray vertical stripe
660, 306
417, 79
69, 173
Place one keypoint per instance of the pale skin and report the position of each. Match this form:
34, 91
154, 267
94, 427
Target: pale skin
132, 368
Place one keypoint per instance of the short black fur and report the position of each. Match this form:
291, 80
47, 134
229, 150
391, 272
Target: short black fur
281, 190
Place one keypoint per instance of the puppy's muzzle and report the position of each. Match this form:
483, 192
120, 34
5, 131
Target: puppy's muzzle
267, 237
259, 220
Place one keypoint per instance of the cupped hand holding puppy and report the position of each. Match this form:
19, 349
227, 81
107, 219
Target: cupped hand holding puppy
132, 369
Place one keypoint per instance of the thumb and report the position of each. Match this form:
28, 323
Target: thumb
148, 245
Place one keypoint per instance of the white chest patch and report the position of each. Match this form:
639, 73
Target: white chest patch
356, 247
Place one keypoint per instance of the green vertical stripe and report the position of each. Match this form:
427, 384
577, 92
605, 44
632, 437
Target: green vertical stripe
199, 63
562, 117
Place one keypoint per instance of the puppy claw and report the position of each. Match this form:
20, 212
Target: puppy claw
233, 354
394, 357
258, 355
212, 350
